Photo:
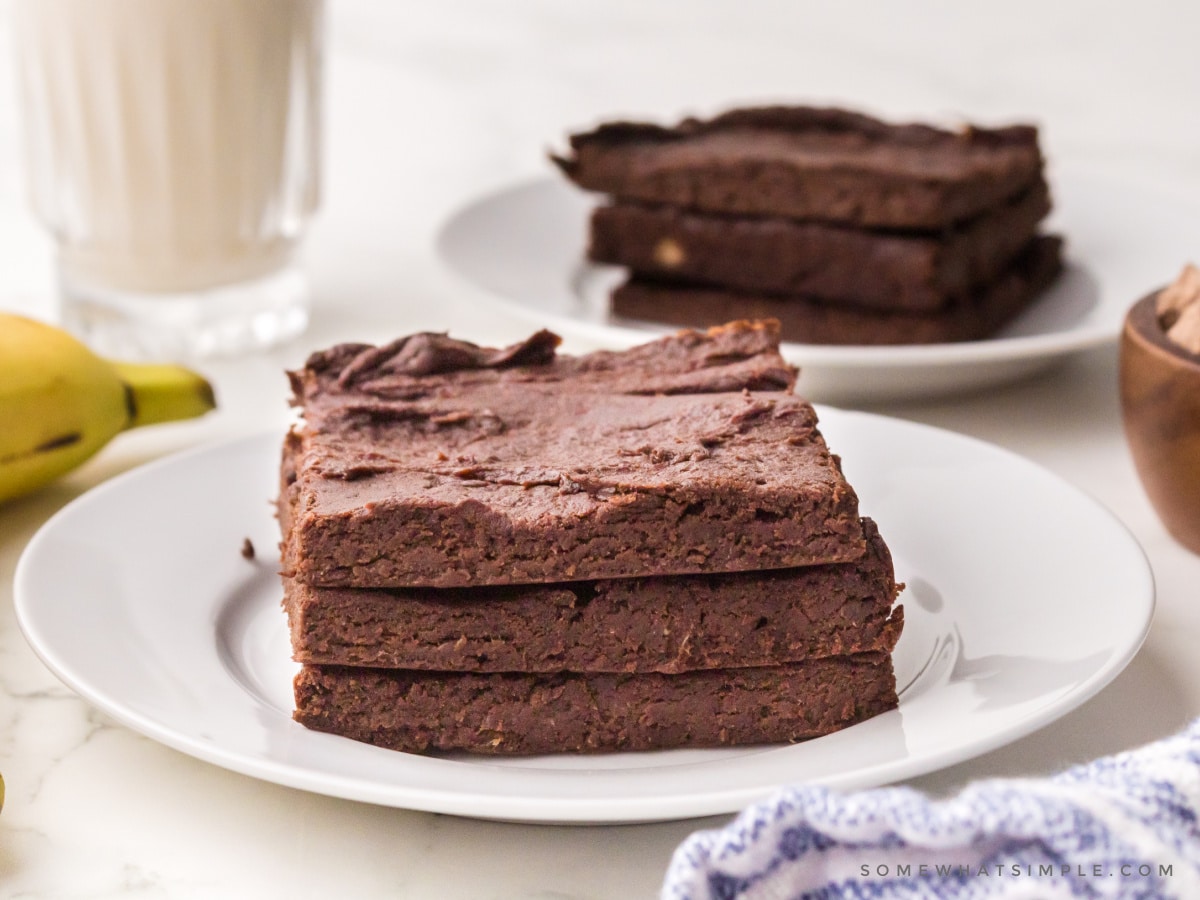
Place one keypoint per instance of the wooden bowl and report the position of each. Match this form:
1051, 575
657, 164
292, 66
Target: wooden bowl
1160, 405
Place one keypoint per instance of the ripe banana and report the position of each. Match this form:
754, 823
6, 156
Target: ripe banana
60, 402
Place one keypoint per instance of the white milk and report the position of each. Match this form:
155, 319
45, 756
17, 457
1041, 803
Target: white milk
172, 144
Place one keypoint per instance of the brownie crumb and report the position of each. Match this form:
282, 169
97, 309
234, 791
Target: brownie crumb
247, 549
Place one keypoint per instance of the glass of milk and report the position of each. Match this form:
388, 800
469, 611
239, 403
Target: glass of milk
173, 151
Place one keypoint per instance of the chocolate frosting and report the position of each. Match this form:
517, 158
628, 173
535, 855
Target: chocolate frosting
686, 454
429, 353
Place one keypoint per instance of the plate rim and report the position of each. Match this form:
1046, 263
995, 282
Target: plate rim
543, 810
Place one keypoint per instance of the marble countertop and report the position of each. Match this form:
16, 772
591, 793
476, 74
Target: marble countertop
430, 105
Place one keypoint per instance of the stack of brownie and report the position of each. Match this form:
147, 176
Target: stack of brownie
846, 229
517, 551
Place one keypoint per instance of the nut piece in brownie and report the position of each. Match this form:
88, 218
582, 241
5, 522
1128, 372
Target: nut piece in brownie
515, 713
668, 624
888, 270
431, 462
813, 321
810, 164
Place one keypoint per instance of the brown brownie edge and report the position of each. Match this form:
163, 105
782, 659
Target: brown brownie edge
669, 624
877, 269
805, 320
507, 713
811, 164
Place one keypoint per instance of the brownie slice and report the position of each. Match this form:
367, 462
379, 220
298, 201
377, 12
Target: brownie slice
810, 164
879, 269
809, 321
669, 624
435, 463
529, 714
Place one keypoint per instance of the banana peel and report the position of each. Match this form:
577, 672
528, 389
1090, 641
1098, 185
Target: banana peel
60, 403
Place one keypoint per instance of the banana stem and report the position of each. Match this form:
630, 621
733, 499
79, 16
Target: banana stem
156, 392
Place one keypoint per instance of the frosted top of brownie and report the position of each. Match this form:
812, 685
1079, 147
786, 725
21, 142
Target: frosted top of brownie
433, 462
739, 356
809, 163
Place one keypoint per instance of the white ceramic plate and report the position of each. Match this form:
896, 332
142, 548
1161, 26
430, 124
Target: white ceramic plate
1024, 598
523, 248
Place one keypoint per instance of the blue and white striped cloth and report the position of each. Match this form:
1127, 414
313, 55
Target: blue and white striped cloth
1125, 826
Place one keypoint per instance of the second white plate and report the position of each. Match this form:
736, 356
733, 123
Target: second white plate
1024, 598
523, 248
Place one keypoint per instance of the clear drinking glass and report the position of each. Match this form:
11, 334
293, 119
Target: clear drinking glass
173, 150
